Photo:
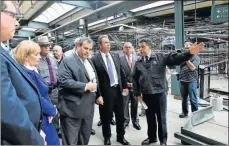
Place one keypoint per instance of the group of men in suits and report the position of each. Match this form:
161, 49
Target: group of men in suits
84, 81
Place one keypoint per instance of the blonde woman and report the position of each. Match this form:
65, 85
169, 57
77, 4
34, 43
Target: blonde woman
27, 53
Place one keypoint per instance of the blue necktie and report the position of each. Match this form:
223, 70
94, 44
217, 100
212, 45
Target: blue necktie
110, 70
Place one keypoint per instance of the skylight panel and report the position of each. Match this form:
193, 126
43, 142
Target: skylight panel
152, 5
101, 21
53, 12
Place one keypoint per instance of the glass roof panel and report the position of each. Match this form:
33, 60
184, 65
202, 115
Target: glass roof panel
53, 12
101, 21
152, 5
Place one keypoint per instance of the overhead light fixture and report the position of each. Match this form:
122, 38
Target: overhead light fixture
121, 28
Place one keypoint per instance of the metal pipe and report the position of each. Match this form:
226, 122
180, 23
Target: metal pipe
100, 9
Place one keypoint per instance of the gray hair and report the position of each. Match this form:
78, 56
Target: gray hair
101, 37
148, 42
82, 39
76, 40
57, 46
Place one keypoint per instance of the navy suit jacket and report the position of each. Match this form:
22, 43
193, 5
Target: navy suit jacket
46, 104
21, 113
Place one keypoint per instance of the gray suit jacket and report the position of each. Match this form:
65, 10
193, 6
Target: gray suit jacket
127, 70
74, 102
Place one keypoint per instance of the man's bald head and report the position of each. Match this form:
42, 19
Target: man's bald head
58, 52
128, 48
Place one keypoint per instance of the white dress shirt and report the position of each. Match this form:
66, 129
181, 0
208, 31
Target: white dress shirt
149, 55
90, 71
4, 47
31, 68
113, 66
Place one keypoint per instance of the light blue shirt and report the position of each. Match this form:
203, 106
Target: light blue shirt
113, 66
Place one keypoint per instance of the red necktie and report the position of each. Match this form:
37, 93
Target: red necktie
130, 60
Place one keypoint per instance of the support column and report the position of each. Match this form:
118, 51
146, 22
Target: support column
179, 37
85, 28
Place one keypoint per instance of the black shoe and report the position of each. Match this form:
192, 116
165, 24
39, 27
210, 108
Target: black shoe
122, 140
99, 123
148, 141
107, 141
92, 132
113, 122
183, 115
136, 125
125, 125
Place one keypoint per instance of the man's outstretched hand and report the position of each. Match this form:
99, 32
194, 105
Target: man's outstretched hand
196, 48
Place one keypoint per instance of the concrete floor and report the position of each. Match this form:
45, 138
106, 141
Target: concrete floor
219, 123
135, 137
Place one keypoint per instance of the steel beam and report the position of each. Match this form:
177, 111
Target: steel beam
105, 11
45, 7
162, 8
201, 138
38, 25
25, 33
188, 140
218, 91
70, 13
85, 4
115, 20
85, 28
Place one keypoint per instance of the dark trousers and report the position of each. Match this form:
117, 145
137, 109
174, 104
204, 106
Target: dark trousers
156, 115
76, 131
189, 89
112, 103
53, 94
134, 108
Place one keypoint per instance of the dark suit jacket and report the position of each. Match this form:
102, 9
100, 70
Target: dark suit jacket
104, 81
21, 113
73, 101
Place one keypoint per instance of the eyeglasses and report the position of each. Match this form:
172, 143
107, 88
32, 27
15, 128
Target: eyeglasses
13, 14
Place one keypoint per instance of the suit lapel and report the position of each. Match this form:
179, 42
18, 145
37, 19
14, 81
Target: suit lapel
103, 63
125, 61
80, 64
115, 61
134, 59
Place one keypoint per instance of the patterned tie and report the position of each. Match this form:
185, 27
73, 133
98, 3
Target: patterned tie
130, 60
110, 70
50, 71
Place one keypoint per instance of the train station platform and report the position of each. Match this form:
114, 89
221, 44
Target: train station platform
219, 124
